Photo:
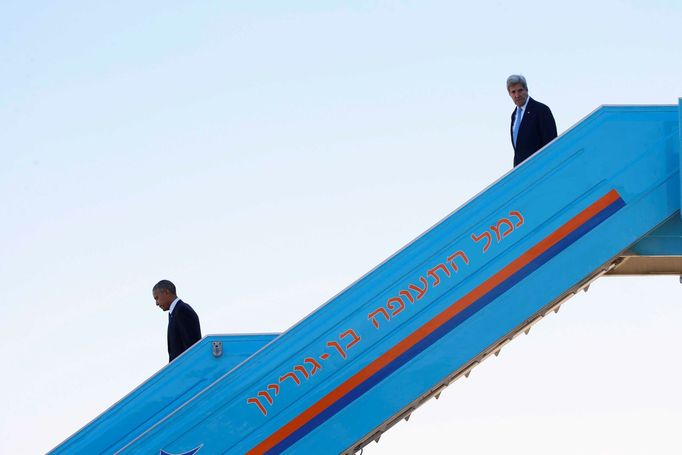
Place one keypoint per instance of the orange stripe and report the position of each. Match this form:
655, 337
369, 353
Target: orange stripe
434, 323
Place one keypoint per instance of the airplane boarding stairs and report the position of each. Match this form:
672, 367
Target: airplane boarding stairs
602, 198
177, 382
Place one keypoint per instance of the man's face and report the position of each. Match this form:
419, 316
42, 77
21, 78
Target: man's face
163, 298
518, 94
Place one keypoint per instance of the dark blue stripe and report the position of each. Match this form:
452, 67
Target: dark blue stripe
447, 327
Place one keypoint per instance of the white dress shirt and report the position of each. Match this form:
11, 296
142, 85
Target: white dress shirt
520, 111
172, 307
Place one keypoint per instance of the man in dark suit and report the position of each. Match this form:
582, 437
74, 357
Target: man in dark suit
532, 123
183, 322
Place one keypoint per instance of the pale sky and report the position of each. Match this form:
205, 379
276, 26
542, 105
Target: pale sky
263, 156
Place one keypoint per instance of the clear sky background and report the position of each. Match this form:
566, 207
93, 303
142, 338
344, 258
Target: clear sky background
211, 142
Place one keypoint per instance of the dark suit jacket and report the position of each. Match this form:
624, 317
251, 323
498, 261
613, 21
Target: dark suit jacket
537, 130
183, 329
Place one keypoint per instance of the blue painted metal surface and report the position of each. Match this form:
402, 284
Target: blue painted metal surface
395, 335
665, 240
679, 115
174, 384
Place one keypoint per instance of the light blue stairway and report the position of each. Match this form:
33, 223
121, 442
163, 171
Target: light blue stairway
177, 382
580, 208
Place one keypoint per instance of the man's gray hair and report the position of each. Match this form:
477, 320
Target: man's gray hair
516, 79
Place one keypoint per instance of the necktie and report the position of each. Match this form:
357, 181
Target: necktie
517, 123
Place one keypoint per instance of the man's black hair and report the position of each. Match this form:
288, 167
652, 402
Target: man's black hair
165, 284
